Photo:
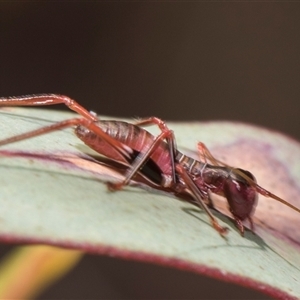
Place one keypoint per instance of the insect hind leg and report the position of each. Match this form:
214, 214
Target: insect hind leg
170, 138
48, 99
140, 160
69, 123
166, 134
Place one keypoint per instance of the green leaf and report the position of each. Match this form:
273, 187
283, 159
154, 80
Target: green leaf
52, 192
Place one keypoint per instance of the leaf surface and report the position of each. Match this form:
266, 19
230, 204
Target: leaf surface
53, 192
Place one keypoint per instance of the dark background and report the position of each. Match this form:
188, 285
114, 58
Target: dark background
175, 60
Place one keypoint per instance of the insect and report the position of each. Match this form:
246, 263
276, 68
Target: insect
156, 158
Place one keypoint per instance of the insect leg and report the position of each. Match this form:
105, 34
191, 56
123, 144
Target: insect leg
170, 139
205, 154
199, 199
141, 160
121, 148
152, 121
47, 99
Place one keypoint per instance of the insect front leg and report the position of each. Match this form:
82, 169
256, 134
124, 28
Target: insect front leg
199, 198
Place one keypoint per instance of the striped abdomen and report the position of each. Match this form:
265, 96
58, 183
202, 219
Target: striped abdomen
135, 137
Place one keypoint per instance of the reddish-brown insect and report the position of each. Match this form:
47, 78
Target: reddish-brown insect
156, 158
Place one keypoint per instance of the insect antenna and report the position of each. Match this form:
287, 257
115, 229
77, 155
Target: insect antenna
263, 191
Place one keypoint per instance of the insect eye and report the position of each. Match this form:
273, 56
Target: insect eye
248, 174
242, 177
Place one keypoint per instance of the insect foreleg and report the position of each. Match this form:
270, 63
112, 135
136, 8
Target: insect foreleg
199, 198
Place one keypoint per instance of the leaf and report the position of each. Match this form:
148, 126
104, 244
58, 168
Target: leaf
53, 192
